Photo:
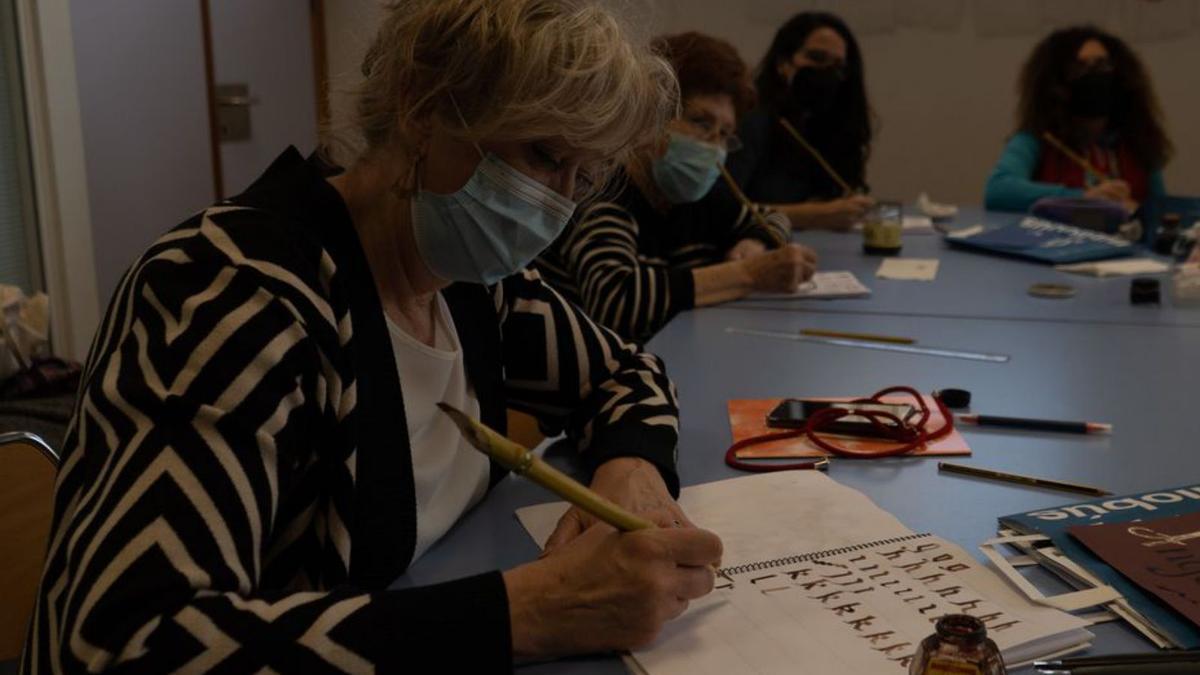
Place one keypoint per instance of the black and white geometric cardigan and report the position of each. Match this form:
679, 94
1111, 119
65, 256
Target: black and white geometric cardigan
236, 488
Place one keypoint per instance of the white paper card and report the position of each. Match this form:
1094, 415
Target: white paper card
823, 285
1116, 268
789, 511
908, 269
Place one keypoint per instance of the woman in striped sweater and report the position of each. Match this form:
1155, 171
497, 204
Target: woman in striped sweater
668, 240
256, 453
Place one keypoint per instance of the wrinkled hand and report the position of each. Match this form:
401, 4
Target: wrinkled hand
607, 590
782, 270
841, 214
746, 248
631, 483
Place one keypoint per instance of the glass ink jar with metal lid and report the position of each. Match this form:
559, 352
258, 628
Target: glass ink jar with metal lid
959, 647
882, 227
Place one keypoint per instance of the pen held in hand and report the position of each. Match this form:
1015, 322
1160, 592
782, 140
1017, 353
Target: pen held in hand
522, 461
771, 232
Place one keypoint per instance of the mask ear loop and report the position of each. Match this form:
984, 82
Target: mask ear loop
405, 193
463, 120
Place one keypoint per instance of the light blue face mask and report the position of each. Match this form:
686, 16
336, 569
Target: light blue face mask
490, 228
688, 169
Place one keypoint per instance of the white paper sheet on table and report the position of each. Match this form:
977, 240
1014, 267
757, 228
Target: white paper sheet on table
1116, 268
822, 286
775, 524
908, 269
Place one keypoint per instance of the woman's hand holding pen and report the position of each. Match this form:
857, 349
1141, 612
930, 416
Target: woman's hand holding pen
1113, 190
631, 483
606, 590
746, 248
781, 270
841, 214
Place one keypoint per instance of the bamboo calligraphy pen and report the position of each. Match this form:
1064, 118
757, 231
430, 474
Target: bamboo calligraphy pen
846, 189
522, 461
778, 238
1074, 156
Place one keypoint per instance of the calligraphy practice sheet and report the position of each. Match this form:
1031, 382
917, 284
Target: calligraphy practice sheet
822, 580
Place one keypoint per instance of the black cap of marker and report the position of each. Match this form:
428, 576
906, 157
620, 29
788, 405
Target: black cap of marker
955, 399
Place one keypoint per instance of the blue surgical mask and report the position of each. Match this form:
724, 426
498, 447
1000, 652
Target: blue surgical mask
688, 170
492, 227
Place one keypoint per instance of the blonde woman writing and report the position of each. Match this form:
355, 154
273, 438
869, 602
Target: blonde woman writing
257, 454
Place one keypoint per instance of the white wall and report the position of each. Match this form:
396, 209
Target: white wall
266, 44
140, 69
940, 73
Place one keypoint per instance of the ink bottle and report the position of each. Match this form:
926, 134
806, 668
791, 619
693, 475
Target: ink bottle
959, 647
1169, 229
882, 227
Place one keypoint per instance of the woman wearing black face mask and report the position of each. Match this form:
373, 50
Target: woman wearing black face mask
812, 76
1088, 89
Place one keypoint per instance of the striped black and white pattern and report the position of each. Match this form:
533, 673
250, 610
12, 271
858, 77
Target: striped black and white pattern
236, 493
631, 267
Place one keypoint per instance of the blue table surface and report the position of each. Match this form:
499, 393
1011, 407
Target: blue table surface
1089, 358
974, 284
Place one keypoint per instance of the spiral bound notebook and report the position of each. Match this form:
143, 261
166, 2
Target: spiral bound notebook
823, 580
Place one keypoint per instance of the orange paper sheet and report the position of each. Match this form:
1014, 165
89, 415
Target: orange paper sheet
748, 417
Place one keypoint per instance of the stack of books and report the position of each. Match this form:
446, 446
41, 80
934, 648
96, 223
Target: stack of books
1140, 544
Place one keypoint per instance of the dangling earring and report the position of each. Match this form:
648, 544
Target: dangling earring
414, 179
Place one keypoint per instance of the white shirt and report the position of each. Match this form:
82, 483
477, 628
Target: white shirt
450, 476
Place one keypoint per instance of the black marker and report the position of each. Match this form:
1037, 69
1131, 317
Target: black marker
1036, 425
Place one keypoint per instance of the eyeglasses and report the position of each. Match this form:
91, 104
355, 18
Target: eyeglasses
823, 59
1101, 65
708, 129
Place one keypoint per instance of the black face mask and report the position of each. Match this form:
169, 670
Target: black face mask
814, 90
1092, 94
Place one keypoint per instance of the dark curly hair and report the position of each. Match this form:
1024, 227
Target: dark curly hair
844, 134
1043, 91
707, 65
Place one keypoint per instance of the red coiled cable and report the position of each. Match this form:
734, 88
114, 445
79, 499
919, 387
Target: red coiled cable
909, 435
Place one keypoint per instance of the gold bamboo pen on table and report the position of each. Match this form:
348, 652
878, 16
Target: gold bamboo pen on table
816, 155
522, 461
1022, 479
868, 337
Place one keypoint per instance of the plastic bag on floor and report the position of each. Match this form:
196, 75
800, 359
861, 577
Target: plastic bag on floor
24, 330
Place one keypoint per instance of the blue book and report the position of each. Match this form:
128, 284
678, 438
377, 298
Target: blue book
1044, 241
1055, 522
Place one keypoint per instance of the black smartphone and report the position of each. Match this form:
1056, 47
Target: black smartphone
793, 413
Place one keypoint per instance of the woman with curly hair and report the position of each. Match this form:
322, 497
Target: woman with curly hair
1087, 89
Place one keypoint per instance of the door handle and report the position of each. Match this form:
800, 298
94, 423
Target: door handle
237, 101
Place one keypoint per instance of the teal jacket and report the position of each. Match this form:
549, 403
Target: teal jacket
1011, 186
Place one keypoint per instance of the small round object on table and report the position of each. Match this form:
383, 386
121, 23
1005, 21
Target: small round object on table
1144, 291
955, 399
1057, 291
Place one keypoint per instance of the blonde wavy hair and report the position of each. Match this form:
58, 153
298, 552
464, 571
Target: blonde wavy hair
518, 70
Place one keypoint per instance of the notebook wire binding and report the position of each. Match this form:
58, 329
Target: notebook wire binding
761, 565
